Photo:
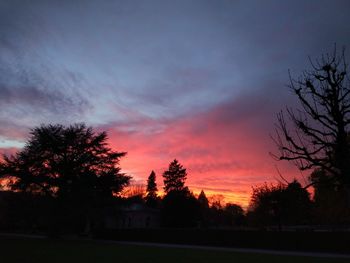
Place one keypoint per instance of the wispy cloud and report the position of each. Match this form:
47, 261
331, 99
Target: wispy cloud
225, 147
196, 80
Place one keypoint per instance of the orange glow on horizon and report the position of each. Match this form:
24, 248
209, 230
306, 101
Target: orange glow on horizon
221, 158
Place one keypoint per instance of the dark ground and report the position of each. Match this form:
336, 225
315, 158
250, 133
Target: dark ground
66, 251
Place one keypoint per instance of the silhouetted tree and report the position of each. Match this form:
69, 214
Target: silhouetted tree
234, 214
330, 204
319, 136
71, 165
217, 201
204, 209
152, 197
203, 200
180, 209
179, 206
296, 204
265, 205
174, 177
152, 186
134, 189
280, 205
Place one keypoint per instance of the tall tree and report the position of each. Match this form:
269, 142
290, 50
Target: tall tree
203, 209
319, 134
175, 177
179, 206
203, 200
152, 197
152, 186
72, 165
59, 160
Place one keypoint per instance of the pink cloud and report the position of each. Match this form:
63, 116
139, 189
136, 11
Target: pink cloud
223, 154
224, 149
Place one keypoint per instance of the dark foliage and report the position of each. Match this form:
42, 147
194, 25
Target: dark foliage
203, 209
234, 215
180, 209
203, 200
330, 201
280, 205
152, 199
73, 167
230, 215
174, 177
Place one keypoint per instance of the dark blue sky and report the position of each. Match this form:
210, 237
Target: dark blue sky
139, 68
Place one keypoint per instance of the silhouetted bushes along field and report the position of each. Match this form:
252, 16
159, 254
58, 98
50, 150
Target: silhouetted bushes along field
299, 241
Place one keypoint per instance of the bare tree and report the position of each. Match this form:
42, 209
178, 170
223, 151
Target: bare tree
134, 189
316, 135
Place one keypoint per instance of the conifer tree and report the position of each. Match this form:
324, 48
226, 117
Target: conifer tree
151, 186
175, 177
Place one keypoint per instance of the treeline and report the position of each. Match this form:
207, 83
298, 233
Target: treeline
67, 180
272, 206
179, 207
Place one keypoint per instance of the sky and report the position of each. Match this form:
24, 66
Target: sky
200, 81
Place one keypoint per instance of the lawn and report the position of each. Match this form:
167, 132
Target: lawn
63, 251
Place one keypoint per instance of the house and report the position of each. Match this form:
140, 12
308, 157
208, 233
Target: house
133, 216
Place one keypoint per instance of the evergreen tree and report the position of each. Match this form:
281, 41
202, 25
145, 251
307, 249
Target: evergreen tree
203, 209
203, 200
175, 177
180, 209
151, 197
179, 206
72, 167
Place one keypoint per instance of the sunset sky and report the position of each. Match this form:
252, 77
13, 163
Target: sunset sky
200, 81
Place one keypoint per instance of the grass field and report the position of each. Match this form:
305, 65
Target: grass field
63, 251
